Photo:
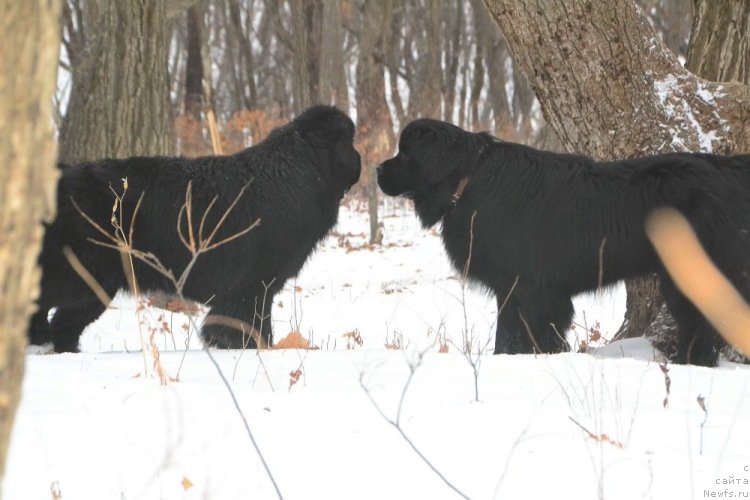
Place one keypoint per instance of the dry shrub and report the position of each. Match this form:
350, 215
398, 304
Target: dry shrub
248, 127
243, 129
353, 338
189, 135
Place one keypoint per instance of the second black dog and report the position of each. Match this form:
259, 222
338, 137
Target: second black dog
557, 225
295, 180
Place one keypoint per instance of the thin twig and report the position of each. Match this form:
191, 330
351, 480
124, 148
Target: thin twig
248, 431
528, 331
407, 439
207, 242
93, 222
507, 297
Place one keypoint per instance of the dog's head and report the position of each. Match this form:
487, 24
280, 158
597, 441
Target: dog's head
433, 157
331, 132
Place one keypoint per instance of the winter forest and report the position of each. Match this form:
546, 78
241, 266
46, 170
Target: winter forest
374, 249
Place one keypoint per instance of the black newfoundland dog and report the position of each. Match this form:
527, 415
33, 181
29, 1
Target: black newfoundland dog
559, 224
293, 180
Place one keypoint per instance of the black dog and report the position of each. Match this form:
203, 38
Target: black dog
563, 224
295, 180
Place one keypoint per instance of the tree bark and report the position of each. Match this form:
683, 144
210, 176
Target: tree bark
609, 88
28, 64
719, 47
119, 102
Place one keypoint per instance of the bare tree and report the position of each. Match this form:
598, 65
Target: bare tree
610, 88
374, 123
28, 60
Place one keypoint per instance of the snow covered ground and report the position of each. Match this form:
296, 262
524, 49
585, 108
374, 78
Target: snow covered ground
95, 426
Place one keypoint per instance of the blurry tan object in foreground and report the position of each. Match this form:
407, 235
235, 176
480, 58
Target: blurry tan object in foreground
698, 278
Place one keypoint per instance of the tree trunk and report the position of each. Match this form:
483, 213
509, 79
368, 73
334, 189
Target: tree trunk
248, 97
194, 64
333, 89
719, 47
189, 125
427, 95
119, 101
393, 55
28, 64
454, 27
477, 79
374, 125
307, 18
496, 54
609, 88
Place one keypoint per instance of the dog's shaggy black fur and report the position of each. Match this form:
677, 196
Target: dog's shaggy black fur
564, 224
296, 177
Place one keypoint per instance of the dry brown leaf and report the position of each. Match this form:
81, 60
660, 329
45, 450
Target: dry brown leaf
294, 340
186, 483
443, 348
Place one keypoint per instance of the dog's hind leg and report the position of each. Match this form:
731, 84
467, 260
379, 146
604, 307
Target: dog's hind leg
39, 331
238, 323
698, 342
70, 320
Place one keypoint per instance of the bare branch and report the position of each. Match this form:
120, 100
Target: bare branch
92, 222
207, 242
81, 270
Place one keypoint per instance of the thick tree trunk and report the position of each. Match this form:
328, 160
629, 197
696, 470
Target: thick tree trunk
609, 88
719, 47
28, 62
119, 101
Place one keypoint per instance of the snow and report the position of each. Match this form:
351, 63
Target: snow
93, 426
676, 107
